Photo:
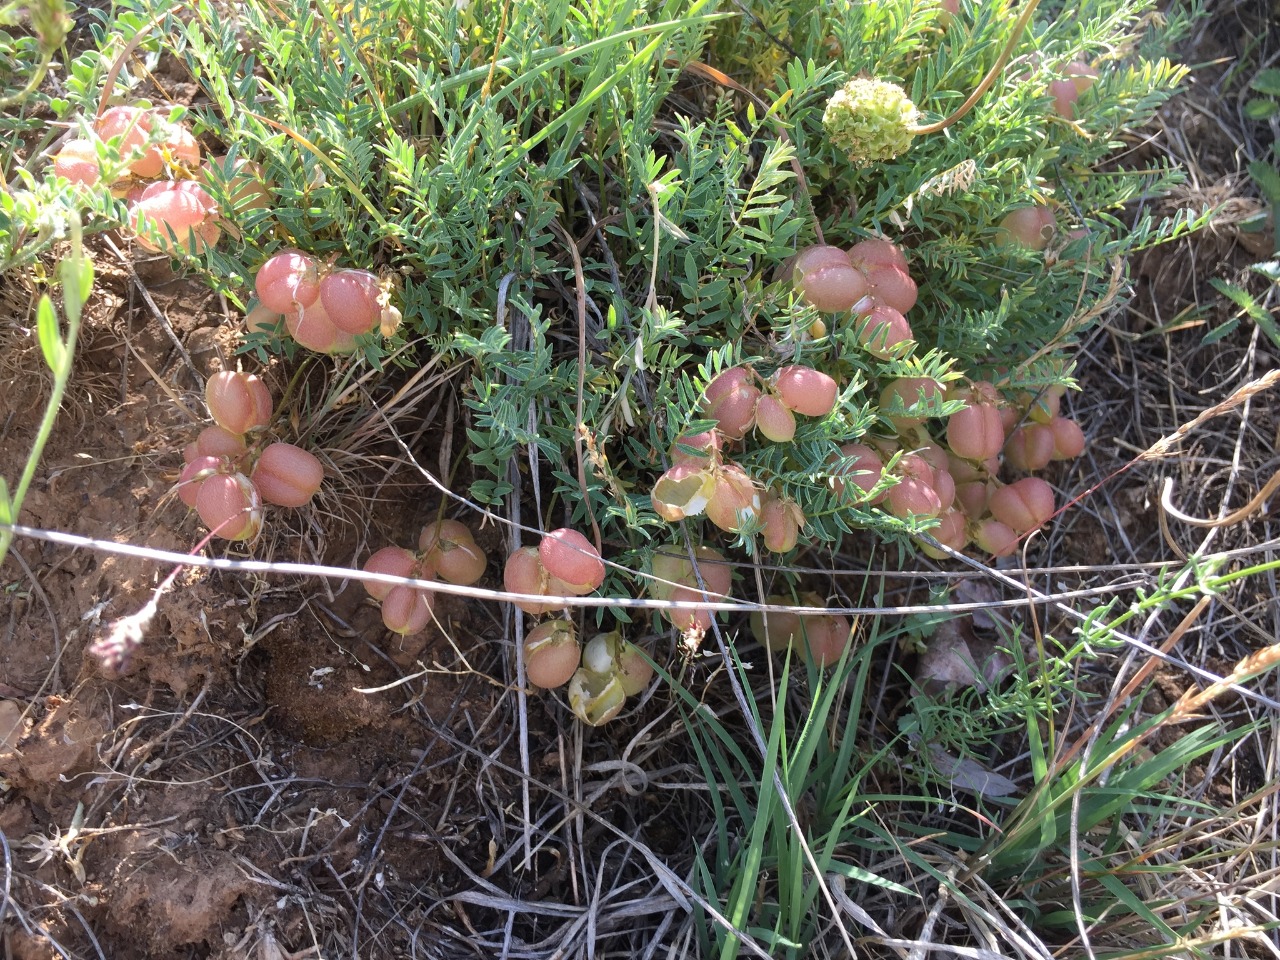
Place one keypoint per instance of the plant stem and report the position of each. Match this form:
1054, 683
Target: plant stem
1020, 25
72, 301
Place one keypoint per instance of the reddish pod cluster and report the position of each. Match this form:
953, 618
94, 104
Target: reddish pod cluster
676, 578
564, 563
231, 471
871, 280
447, 550
1065, 91
816, 638
601, 674
323, 309
702, 480
166, 215
958, 485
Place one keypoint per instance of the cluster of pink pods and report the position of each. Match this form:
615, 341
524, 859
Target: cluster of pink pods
958, 484
563, 564
702, 479
166, 215
816, 638
871, 281
323, 309
606, 670
601, 674
231, 472
446, 549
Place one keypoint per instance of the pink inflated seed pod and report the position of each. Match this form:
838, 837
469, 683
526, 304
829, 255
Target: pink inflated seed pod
350, 297
730, 399
1068, 438
806, 391
632, 668
77, 161
455, 554
132, 125
288, 282
287, 476
197, 470
1081, 74
1030, 447
892, 287
551, 654
1031, 227
263, 321
862, 473
774, 421
238, 401
877, 251
392, 561
313, 329
914, 494
996, 538
1064, 94
971, 497
229, 505
776, 630
671, 569
182, 145
976, 432
914, 393
406, 610
884, 331
826, 279
781, 521
934, 455
734, 499
824, 638
715, 571
173, 216
945, 486
218, 441
1023, 505
523, 573
569, 556
690, 619
950, 532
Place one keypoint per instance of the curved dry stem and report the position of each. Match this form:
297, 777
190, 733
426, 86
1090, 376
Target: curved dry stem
1019, 25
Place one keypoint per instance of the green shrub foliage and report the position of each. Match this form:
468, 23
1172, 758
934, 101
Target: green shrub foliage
681, 146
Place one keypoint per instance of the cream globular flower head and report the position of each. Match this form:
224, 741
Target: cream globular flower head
870, 120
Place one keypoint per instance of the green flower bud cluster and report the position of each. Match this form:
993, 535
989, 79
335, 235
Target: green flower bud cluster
870, 120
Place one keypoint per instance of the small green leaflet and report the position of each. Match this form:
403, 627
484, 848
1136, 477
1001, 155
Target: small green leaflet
55, 352
1268, 178
1267, 81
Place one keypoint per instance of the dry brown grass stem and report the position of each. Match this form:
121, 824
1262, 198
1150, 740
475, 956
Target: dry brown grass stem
1164, 446
580, 304
1082, 318
1251, 667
